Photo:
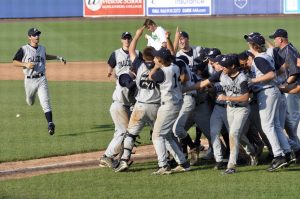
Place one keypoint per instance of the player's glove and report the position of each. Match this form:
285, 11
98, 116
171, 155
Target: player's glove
62, 59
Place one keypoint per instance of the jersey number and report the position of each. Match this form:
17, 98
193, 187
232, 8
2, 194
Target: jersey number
175, 80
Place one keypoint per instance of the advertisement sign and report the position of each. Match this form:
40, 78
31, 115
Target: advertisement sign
291, 6
244, 7
103, 8
38, 8
178, 7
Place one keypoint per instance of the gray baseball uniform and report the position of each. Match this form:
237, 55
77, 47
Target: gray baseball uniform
145, 108
120, 108
171, 101
35, 80
268, 97
237, 113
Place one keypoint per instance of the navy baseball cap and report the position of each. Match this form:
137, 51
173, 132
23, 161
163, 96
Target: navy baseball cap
163, 53
229, 60
126, 35
213, 52
33, 31
252, 34
184, 34
249, 53
217, 59
279, 33
258, 39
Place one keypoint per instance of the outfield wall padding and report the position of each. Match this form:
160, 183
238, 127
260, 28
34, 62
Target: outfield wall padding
40, 8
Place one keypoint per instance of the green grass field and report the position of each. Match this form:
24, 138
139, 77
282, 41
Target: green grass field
202, 182
81, 113
95, 39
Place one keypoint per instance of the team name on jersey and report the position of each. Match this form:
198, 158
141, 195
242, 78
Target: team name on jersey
232, 88
36, 59
124, 63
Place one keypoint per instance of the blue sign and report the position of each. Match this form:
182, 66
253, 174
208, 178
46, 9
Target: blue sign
244, 7
178, 11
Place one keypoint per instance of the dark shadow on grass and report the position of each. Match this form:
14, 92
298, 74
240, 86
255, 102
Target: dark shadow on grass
104, 126
96, 129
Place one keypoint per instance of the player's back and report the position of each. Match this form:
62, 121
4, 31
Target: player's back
170, 88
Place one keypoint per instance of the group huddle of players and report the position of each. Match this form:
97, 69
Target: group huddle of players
250, 98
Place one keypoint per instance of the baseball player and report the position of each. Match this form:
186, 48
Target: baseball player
191, 53
123, 98
32, 58
235, 85
158, 35
288, 54
147, 99
255, 133
186, 111
166, 74
265, 88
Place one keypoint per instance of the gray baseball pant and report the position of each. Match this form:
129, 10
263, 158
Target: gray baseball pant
142, 113
217, 119
162, 137
268, 102
237, 117
39, 86
186, 110
120, 115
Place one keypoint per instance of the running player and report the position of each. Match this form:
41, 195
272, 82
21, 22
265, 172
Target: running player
32, 58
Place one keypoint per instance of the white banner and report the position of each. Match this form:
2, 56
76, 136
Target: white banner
178, 7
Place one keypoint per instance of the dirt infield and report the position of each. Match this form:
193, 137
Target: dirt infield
72, 71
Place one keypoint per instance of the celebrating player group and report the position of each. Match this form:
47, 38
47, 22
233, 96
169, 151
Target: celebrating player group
249, 98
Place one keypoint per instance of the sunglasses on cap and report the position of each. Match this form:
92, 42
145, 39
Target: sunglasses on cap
35, 35
127, 37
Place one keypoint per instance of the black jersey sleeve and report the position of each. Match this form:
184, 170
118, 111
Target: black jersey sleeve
215, 77
182, 67
244, 87
112, 60
263, 65
137, 62
19, 55
158, 76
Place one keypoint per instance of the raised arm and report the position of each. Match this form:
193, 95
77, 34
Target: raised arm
169, 43
134, 42
176, 40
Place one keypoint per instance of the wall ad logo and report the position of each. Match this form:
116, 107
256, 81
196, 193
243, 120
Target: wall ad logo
240, 3
106, 8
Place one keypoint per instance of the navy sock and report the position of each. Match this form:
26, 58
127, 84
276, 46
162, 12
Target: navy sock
48, 116
188, 141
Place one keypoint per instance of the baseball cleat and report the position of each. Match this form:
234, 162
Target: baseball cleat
51, 128
165, 170
123, 166
106, 162
277, 163
229, 171
194, 156
182, 168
